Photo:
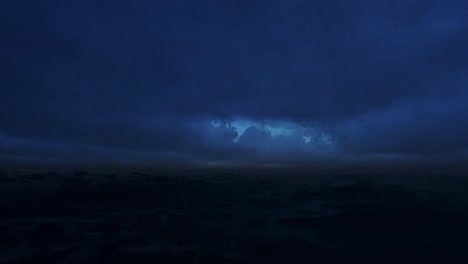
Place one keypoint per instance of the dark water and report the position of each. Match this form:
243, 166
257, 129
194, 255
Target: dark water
232, 218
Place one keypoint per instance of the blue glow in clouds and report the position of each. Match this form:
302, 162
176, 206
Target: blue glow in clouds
275, 137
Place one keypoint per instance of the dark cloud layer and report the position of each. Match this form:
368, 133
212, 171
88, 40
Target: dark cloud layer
143, 80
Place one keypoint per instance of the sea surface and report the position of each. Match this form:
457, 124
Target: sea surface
233, 217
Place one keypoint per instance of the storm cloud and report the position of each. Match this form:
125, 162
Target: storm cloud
233, 82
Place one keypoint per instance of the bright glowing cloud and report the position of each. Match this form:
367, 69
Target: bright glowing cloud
277, 137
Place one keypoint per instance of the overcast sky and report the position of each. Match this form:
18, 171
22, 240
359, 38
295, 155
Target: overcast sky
233, 83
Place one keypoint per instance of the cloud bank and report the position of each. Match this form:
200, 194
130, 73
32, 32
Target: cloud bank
210, 82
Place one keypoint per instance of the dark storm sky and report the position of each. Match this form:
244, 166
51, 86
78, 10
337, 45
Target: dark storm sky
279, 82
